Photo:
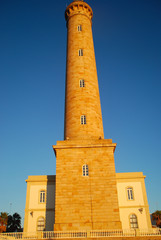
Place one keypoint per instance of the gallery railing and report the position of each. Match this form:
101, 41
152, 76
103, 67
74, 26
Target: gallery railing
81, 234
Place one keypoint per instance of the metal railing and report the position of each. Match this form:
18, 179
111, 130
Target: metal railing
81, 234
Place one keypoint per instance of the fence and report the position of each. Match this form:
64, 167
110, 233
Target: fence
82, 234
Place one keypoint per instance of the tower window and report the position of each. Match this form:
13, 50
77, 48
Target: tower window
79, 28
130, 193
133, 221
80, 52
40, 224
83, 119
42, 196
82, 83
85, 170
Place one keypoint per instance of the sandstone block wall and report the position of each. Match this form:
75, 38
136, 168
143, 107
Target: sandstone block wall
86, 202
81, 100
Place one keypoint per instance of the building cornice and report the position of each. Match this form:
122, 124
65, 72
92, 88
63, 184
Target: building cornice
43, 178
78, 7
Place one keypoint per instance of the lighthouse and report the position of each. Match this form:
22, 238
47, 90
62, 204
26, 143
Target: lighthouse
86, 192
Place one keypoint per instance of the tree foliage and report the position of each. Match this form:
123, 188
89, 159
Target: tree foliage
14, 223
3, 221
157, 217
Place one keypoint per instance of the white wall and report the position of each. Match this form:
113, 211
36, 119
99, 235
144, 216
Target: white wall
128, 207
35, 209
122, 194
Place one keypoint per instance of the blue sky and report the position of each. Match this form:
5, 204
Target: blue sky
127, 37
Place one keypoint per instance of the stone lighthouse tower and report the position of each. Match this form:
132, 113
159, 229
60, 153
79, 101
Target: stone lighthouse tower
86, 193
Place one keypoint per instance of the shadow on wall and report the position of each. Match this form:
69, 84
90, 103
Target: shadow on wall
50, 203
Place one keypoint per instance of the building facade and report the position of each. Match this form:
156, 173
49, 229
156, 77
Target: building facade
132, 199
40, 203
133, 203
86, 193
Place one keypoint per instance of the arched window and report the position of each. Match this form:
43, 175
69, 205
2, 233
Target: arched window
82, 83
42, 196
80, 52
79, 28
133, 221
130, 193
83, 119
41, 224
85, 170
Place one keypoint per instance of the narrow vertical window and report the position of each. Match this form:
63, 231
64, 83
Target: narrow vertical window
80, 52
79, 28
85, 170
130, 193
41, 224
82, 83
133, 221
83, 119
42, 196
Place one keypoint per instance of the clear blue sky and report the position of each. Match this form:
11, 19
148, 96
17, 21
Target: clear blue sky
127, 38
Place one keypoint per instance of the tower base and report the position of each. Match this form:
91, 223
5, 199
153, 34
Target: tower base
86, 202
86, 226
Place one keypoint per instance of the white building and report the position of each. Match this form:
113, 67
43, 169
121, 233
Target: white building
132, 198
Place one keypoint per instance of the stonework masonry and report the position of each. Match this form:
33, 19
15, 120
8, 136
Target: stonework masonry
80, 101
139, 205
86, 193
84, 202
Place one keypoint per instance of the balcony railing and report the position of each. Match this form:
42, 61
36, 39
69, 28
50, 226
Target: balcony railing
81, 234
